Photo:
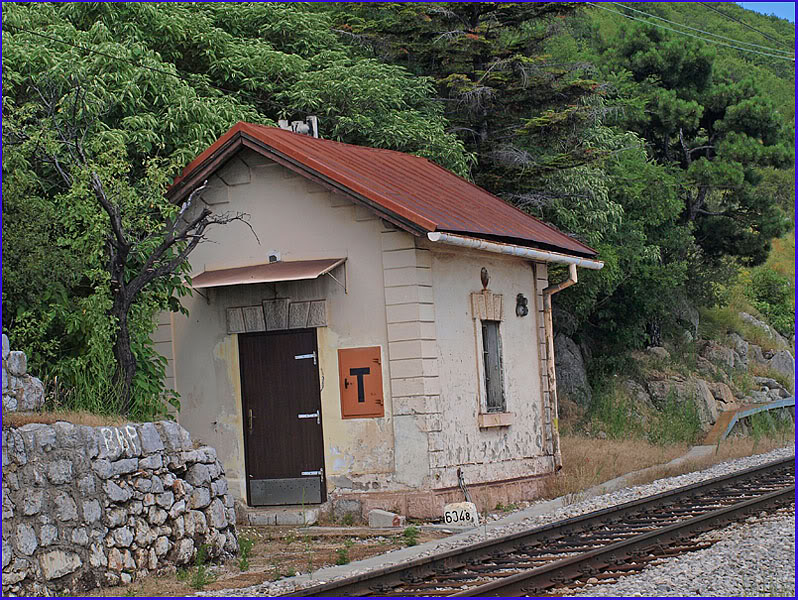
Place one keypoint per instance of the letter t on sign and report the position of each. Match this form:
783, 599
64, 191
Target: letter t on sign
363, 365
361, 393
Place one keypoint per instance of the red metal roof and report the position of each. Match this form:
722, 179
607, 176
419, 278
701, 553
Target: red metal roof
413, 188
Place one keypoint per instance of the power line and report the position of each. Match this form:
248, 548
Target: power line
728, 16
698, 37
154, 69
723, 37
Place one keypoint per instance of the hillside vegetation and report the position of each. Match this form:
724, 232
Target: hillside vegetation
671, 156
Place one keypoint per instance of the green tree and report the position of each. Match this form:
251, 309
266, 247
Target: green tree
717, 130
160, 83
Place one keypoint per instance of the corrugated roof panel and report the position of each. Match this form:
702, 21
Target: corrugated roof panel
411, 187
292, 270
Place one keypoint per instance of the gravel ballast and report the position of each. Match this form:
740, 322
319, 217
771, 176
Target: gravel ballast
536, 515
752, 558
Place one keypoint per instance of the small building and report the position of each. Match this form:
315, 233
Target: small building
376, 332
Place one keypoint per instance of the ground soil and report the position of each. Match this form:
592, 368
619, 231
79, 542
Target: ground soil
278, 552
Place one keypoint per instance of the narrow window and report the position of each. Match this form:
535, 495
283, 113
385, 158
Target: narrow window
494, 376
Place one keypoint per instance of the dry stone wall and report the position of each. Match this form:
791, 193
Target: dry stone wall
89, 506
21, 391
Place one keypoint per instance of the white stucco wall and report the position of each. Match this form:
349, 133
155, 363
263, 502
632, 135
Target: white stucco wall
406, 295
302, 221
495, 453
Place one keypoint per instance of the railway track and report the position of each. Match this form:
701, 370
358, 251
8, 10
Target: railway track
604, 544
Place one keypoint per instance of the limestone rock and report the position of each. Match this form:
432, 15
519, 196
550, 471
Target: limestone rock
25, 539
149, 438
102, 467
217, 516
165, 500
383, 518
32, 502
784, 363
157, 516
116, 493
658, 352
116, 561
178, 508
57, 563
32, 394
17, 363
198, 475
571, 372
60, 471
772, 333
184, 551
80, 537
6, 348
91, 511
151, 463
123, 537
65, 508
723, 396
7, 551
200, 498
124, 466
97, 556
47, 535
161, 545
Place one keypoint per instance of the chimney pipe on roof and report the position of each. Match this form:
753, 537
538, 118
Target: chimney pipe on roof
310, 126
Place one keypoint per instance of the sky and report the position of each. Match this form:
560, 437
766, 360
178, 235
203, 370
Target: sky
785, 10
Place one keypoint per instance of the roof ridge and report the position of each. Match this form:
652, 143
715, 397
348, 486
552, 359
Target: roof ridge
329, 141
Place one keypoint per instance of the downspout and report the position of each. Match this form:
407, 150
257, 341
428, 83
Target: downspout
554, 433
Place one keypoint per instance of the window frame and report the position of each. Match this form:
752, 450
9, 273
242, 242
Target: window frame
489, 404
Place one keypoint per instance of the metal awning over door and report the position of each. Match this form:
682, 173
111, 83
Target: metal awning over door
291, 270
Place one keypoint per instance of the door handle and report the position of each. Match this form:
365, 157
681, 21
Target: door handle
316, 415
302, 356
251, 418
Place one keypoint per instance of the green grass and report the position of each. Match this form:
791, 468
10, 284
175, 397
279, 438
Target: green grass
410, 535
676, 423
612, 412
245, 545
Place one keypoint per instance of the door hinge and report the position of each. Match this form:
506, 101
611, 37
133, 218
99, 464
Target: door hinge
302, 356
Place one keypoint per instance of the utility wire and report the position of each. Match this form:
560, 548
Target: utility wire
723, 37
154, 69
698, 37
728, 16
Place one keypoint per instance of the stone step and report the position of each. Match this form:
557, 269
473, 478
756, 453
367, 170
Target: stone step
281, 515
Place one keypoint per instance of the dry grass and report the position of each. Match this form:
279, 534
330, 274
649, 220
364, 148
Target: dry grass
15, 419
726, 450
588, 462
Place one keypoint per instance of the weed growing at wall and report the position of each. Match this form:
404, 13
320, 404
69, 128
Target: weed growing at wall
410, 535
245, 545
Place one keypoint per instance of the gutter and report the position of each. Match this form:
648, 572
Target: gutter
513, 250
550, 405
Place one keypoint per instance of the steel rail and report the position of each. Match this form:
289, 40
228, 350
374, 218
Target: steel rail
385, 580
540, 579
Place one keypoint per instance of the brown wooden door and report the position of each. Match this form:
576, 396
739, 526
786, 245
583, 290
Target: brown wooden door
282, 418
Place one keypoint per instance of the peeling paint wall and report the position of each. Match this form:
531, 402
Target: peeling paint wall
489, 453
406, 295
302, 221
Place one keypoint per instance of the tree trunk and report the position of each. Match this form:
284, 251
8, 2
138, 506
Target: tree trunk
123, 353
